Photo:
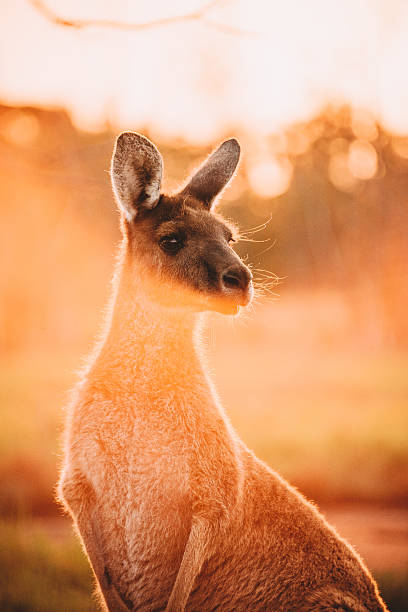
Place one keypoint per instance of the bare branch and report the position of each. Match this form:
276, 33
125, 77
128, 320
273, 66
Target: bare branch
198, 15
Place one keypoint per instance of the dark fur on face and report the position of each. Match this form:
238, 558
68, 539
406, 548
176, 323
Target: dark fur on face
177, 246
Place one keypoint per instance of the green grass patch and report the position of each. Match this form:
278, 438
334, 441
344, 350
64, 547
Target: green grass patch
394, 589
42, 575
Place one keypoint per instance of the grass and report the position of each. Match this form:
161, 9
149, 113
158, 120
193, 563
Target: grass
329, 414
41, 575
394, 589
32, 393
44, 573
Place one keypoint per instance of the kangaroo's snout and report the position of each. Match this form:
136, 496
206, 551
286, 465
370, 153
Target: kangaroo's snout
236, 281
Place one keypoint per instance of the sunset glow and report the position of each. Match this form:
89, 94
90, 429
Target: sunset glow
258, 65
303, 209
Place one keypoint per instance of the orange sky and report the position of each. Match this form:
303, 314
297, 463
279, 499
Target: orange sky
196, 80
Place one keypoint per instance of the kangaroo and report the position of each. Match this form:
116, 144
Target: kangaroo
174, 511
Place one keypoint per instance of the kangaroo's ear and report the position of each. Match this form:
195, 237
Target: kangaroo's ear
136, 173
211, 178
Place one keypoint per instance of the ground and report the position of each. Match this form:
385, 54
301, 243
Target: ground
329, 412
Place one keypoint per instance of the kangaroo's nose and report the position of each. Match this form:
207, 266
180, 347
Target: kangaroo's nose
236, 278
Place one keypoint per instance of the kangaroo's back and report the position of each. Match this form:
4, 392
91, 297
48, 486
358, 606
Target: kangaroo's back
173, 510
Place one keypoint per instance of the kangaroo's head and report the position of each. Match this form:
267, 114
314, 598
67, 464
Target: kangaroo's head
177, 246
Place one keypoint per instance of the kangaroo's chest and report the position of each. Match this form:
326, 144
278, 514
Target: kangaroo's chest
142, 460
140, 476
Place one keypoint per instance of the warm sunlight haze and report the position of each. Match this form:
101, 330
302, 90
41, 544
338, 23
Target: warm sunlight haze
313, 373
269, 65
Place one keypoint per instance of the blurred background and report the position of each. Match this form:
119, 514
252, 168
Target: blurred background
315, 375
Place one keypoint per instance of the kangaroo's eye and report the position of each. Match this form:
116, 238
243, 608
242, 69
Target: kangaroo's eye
171, 244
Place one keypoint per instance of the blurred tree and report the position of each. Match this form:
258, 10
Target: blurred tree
341, 223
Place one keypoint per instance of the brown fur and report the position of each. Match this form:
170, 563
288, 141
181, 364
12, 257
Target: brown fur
174, 512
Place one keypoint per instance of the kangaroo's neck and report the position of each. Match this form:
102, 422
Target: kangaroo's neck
146, 341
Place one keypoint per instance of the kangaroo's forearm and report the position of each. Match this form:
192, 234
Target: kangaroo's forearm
197, 549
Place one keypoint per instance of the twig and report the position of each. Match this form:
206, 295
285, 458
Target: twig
199, 15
